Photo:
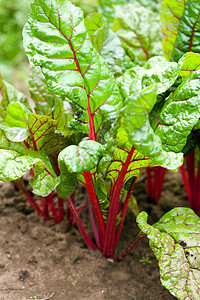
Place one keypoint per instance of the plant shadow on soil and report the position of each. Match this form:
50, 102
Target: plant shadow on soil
41, 261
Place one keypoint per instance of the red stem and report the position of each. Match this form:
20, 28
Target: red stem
79, 223
92, 220
96, 207
124, 210
130, 247
70, 214
109, 243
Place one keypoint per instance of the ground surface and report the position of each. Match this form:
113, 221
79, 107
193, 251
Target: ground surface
41, 261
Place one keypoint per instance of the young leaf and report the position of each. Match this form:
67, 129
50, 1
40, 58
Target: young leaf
44, 183
175, 241
81, 158
138, 28
57, 40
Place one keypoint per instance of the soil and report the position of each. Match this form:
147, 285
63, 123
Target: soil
39, 260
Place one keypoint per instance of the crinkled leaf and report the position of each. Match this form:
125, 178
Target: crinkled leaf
156, 71
175, 240
161, 72
44, 183
57, 40
180, 114
81, 158
105, 42
138, 28
140, 132
188, 35
171, 14
106, 8
14, 165
67, 185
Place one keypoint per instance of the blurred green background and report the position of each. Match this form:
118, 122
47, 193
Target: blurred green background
13, 16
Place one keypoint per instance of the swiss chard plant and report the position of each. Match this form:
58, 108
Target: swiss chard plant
98, 120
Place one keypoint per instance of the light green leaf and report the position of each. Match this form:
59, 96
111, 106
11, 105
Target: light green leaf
180, 114
56, 39
138, 28
191, 63
171, 14
106, 43
14, 165
44, 183
9, 94
81, 158
175, 240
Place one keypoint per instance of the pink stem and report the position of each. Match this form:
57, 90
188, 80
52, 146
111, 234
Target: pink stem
79, 223
94, 228
109, 243
120, 256
124, 210
96, 207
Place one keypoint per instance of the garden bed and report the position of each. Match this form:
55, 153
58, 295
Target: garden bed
41, 261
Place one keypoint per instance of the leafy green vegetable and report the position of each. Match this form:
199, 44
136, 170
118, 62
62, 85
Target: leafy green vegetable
176, 244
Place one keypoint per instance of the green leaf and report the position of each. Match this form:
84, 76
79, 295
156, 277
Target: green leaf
8, 95
67, 185
43, 99
175, 241
138, 28
140, 133
171, 14
81, 158
44, 183
106, 43
188, 32
106, 8
42, 134
160, 72
191, 63
156, 71
180, 114
13, 165
56, 39
120, 159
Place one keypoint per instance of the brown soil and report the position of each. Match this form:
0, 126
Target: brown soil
41, 261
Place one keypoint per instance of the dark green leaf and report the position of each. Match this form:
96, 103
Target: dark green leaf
67, 185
